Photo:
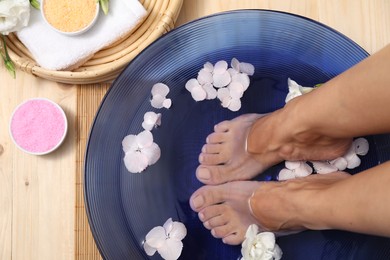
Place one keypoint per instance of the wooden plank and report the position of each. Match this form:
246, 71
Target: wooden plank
37, 192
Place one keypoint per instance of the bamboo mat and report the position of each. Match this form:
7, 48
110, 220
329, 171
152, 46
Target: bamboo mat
88, 101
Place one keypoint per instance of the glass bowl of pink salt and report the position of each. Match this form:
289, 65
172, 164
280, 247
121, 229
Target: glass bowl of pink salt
70, 17
38, 126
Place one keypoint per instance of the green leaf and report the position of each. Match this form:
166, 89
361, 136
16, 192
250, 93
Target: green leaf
9, 65
104, 5
35, 4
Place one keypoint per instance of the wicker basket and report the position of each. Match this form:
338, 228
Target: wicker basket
106, 64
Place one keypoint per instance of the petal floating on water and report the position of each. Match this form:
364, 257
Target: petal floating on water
144, 139
160, 89
135, 162
156, 237
152, 153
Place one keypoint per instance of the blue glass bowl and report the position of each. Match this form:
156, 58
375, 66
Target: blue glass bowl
123, 207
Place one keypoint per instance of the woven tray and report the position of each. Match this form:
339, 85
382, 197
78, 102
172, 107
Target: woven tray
106, 64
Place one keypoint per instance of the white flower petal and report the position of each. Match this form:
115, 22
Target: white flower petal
135, 162
303, 170
152, 153
243, 79
208, 66
236, 89
324, 167
151, 117
277, 252
210, 91
178, 231
157, 101
235, 64
361, 146
151, 120
252, 231
220, 67
340, 163
286, 174
198, 93
268, 239
147, 126
156, 237
232, 72
192, 83
144, 139
171, 250
149, 250
353, 161
205, 76
160, 89
221, 80
223, 93
235, 104
168, 226
167, 103
292, 165
293, 90
247, 68
305, 90
14, 15
226, 102
129, 143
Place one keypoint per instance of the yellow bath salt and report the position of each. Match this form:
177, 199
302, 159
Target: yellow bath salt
69, 15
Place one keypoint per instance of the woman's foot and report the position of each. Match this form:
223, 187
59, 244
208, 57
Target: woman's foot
224, 157
224, 209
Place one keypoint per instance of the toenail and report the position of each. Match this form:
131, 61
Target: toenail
206, 225
201, 158
198, 201
201, 216
203, 174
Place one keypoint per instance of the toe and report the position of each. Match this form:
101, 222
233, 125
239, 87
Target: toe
217, 221
216, 137
222, 126
222, 231
212, 148
213, 174
211, 212
233, 239
206, 196
212, 159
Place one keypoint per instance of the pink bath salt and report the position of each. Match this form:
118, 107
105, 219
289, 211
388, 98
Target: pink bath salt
38, 126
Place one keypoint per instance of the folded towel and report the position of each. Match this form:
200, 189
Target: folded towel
55, 51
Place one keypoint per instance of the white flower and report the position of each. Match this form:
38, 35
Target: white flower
166, 240
140, 151
159, 96
259, 246
151, 120
294, 169
349, 160
14, 15
295, 90
219, 81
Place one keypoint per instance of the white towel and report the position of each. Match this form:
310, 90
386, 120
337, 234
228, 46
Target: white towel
55, 51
